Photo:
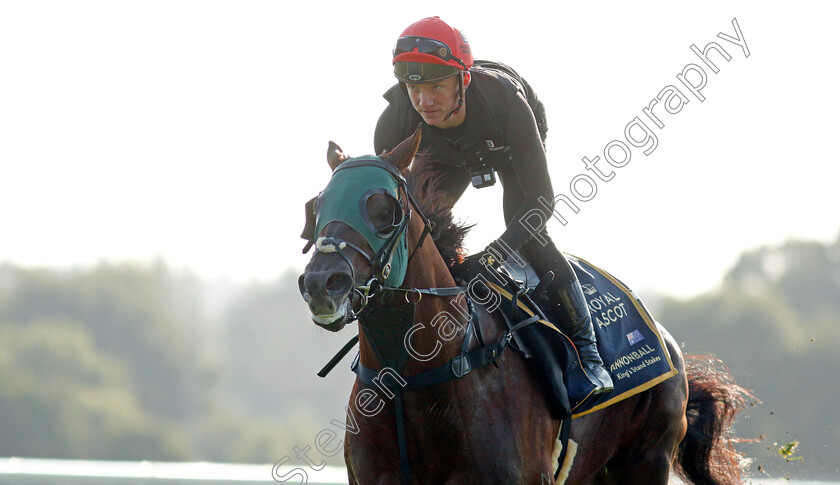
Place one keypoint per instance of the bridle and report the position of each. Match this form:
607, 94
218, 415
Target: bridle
380, 263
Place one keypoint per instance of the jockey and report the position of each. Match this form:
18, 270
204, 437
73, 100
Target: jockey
476, 122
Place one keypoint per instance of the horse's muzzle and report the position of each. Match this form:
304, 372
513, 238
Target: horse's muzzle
328, 296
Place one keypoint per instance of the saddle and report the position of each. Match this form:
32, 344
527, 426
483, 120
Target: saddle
629, 339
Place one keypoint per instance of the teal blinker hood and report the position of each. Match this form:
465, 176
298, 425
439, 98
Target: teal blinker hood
344, 199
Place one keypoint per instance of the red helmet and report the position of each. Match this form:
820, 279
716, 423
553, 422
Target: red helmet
430, 50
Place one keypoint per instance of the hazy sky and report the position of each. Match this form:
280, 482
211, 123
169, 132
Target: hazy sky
196, 130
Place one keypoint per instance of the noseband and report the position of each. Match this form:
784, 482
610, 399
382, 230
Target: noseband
366, 291
382, 262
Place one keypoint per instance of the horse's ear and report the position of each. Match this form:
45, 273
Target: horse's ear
402, 155
335, 155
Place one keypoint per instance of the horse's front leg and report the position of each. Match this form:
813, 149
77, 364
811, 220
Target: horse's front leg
351, 477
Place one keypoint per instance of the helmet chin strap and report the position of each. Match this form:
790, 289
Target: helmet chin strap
461, 93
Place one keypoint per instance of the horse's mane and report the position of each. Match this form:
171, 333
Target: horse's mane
424, 180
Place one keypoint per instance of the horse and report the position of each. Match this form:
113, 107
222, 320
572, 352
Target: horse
422, 413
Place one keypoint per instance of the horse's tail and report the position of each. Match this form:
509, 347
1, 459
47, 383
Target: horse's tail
706, 455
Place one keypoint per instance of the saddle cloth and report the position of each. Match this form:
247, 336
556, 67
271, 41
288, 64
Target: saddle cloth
629, 340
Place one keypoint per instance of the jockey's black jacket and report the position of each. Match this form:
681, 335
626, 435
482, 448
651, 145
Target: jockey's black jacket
499, 131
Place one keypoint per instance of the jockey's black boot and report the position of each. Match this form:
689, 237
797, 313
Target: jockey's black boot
571, 314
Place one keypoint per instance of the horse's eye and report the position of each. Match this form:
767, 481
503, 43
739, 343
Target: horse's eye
384, 214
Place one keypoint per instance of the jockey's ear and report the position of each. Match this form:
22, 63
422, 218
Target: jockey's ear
467, 79
335, 155
402, 155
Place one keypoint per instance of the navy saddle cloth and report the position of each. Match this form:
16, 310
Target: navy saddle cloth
629, 340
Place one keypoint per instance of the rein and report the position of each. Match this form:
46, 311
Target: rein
442, 292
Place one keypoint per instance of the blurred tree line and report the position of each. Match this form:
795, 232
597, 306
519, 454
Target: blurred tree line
143, 362
775, 321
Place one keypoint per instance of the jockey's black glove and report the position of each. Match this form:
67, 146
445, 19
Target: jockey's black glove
498, 250
475, 265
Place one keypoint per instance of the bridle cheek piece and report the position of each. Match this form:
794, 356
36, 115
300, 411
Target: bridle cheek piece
382, 263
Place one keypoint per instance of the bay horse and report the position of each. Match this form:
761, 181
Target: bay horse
420, 412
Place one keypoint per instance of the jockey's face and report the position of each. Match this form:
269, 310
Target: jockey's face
436, 100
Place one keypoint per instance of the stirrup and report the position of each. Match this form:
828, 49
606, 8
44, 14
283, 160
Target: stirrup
599, 376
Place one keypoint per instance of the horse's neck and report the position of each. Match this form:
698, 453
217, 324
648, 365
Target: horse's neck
439, 323
426, 268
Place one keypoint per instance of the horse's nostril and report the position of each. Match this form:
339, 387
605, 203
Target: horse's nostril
302, 287
339, 284
331, 285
